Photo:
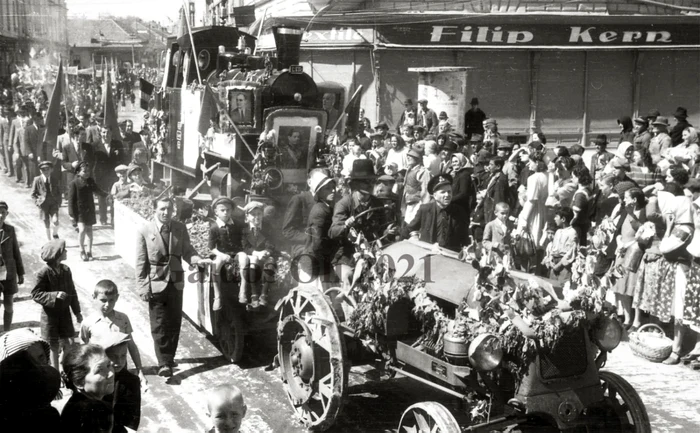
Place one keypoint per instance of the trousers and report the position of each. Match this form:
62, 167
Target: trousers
24, 165
165, 314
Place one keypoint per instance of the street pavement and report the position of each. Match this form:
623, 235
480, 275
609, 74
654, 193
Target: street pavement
671, 393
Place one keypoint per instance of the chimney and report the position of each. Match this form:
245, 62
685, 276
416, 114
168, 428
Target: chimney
288, 42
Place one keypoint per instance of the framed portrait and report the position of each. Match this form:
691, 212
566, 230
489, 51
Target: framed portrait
240, 106
293, 146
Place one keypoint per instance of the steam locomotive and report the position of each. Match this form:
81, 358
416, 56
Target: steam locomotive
260, 119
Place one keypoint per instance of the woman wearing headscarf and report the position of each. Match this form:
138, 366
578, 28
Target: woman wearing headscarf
463, 192
626, 129
687, 151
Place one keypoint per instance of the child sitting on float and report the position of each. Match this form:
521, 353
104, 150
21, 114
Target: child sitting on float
258, 251
137, 185
121, 189
225, 242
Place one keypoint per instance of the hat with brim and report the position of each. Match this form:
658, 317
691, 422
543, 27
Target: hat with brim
439, 181
252, 206
79, 165
681, 113
382, 125
660, 121
449, 146
43, 164
132, 168
640, 121
222, 200
19, 340
422, 101
442, 116
121, 168
386, 178
680, 237
318, 180
107, 340
362, 169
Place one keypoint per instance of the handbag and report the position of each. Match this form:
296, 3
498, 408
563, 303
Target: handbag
633, 257
525, 246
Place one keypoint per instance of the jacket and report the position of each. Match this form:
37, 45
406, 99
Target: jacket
69, 154
10, 251
295, 220
157, 266
426, 221
428, 120
28, 141
658, 146
42, 197
642, 140
372, 224
106, 162
318, 244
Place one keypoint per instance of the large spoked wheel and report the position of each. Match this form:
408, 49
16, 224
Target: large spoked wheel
428, 417
231, 335
343, 305
312, 358
622, 410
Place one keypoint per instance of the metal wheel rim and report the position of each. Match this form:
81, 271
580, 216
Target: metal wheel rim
231, 338
428, 417
616, 413
330, 384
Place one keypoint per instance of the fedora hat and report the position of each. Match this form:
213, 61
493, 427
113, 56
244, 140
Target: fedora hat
660, 121
318, 180
475, 101
442, 116
362, 169
449, 146
382, 125
681, 113
640, 120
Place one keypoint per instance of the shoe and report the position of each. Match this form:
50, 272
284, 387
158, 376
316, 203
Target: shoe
673, 359
263, 300
83, 256
89, 256
165, 371
172, 364
55, 236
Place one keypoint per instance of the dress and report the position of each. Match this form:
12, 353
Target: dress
81, 201
648, 278
691, 305
56, 321
537, 195
626, 284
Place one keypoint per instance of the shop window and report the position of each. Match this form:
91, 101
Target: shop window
560, 93
610, 90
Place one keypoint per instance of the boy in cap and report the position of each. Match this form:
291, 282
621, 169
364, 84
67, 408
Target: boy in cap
440, 221
225, 241
258, 249
427, 118
46, 194
121, 188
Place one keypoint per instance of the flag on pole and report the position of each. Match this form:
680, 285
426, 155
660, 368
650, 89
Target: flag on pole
109, 114
352, 110
209, 110
53, 115
146, 92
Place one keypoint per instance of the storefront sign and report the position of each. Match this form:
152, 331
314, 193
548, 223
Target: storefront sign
513, 35
328, 37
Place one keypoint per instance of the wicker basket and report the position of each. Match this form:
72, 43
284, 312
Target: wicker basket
652, 345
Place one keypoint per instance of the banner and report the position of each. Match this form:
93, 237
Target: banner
146, 92
53, 114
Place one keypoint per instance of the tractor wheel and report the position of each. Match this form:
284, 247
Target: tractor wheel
312, 358
428, 417
622, 410
231, 335
343, 305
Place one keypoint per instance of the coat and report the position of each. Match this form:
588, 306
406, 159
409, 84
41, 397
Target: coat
27, 141
81, 200
69, 154
15, 126
463, 191
295, 221
106, 162
676, 132
10, 251
428, 120
497, 191
426, 222
4, 131
318, 244
642, 140
43, 198
156, 265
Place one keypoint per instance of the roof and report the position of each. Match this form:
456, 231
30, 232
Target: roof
97, 33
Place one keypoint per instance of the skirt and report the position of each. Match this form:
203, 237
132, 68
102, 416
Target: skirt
626, 284
648, 282
691, 304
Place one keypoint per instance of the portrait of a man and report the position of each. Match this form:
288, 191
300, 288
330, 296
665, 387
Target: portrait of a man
241, 107
292, 144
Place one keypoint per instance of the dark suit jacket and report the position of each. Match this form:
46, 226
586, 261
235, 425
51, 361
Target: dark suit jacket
431, 121
426, 222
157, 266
40, 195
499, 192
318, 244
372, 225
29, 141
295, 220
69, 153
106, 163
463, 191
10, 251
15, 126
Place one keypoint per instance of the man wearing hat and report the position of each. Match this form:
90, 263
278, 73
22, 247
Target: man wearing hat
408, 116
161, 245
360, 210
315, 266
11, 267
25, 148
121, 189
15, 120
415, 191
473, 120
109, 153
427, 118
444, 125
642, 136
440, 221
681, 122
446, 151
382, 130
601, 157
46, 194
661, 140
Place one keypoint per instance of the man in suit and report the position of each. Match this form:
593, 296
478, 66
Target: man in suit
315, 265
46, 193
161, 244
440, 221
427, 118
130, 138
69, 154
25, 146
329, 106
15, 125
241, 113
109, 154
297, 216
11, 261
5, 150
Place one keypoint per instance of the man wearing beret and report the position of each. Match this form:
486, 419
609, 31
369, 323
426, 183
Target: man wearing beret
11, 267
441, 222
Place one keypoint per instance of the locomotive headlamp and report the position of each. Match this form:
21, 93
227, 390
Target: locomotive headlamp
608, 334
222, 49
485, 352
297, 97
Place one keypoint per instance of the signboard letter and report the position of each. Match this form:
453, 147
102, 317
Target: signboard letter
581, 36
665, 36
438, 31
631, 36
519, 37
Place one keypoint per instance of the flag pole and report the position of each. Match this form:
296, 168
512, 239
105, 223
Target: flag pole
189, 31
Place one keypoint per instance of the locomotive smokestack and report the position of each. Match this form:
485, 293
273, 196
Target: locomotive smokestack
288, 42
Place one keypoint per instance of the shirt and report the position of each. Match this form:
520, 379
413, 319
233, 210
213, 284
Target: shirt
97, 325
564, 245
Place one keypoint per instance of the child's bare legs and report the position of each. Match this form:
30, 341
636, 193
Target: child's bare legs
55, 347
81, 236
243, 266
88, 234
219, 263
625, 302
54, 226
637, 317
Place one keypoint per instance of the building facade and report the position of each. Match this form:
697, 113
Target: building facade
569, 69
101, 40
